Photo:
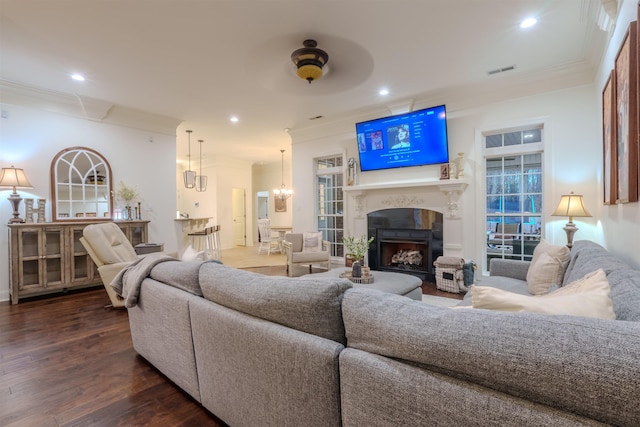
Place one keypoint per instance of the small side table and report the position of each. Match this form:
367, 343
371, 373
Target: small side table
147, 248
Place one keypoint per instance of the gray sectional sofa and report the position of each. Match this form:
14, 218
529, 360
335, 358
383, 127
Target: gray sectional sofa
277, 351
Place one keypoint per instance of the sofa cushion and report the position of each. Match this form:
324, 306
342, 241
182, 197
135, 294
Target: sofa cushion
505, 283
309, 305
296, 241
312, 242
547, 267
302, 257
587, 256
588, 297
625, 293
180, 274
581, 365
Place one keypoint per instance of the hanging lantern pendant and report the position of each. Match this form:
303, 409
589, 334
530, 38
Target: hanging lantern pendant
201, 180
189, 175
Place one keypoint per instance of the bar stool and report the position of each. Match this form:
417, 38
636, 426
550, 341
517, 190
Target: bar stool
207, 240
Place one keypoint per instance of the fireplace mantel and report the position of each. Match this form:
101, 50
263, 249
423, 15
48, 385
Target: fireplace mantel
451, 188
444, 185
439, 195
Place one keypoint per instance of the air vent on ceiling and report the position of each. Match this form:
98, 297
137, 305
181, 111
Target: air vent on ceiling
315, 118
501, 70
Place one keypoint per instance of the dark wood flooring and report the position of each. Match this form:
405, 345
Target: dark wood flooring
66, 361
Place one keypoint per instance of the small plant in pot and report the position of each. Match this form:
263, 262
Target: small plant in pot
355, 249
126, 194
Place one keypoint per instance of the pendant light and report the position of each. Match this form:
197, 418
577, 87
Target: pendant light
201, 180
282, 193
189, 175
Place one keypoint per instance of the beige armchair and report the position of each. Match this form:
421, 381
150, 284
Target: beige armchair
111, 251
298, 254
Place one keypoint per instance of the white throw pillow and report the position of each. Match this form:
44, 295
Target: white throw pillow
191, 254
586, 297
312, 242
547, 267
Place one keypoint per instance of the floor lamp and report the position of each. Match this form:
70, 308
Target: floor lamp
12, 178
571, 205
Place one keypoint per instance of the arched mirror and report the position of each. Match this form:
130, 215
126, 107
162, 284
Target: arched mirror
81, 186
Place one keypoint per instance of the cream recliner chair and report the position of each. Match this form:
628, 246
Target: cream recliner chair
297, 255
110, 249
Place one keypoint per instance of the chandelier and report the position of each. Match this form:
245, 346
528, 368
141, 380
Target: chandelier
309, 61
282, 193
189, 175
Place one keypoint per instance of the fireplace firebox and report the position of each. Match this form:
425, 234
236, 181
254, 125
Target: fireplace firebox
406, 240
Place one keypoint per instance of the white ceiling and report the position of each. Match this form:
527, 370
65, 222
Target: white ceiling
204, 61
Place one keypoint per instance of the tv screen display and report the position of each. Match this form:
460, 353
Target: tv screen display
412, 139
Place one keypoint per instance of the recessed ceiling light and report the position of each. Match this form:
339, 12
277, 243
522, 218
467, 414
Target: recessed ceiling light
529, 22
77, 77
384, 91
234, 119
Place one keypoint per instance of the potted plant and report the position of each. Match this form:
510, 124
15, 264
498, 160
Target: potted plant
126, 194
355, 249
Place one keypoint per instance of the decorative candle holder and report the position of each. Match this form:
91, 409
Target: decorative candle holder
460, 165
28, 210
41, 210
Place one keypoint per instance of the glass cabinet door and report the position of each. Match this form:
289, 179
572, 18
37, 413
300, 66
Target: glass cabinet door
41, 260
83, 269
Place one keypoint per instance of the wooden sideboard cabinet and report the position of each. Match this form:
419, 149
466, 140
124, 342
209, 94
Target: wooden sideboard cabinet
48, 257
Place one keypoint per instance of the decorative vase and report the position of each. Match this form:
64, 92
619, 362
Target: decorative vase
356, 269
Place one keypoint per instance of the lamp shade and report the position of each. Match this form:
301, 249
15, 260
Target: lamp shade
571, 205
14, 177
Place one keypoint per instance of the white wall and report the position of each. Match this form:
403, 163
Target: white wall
620, 224
268, 177
30, 138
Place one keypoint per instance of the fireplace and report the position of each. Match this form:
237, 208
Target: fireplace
407, 240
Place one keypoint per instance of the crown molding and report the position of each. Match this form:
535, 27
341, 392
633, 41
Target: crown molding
14, 93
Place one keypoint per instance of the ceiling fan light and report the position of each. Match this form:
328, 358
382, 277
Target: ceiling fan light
309, 72
309, 61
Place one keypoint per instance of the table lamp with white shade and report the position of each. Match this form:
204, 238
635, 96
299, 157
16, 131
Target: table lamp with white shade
571, 205
14, 178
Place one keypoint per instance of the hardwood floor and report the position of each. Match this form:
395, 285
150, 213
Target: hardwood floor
66, 361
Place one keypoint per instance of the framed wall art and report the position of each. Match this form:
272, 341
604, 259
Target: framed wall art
280, 204
626, 114
609, 169
444, 171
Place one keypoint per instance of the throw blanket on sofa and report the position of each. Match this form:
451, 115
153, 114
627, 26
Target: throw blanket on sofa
127, 282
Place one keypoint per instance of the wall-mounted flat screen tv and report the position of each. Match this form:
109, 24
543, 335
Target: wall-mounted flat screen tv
412, 139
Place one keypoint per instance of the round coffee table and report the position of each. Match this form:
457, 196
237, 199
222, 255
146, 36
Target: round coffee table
396, 283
